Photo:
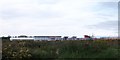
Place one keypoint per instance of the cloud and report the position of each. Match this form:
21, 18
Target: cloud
54, 17
107, 25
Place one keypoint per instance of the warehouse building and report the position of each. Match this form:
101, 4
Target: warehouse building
23, 37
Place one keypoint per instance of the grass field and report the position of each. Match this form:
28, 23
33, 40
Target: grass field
60, 49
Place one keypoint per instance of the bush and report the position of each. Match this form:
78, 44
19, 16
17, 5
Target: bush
61, 49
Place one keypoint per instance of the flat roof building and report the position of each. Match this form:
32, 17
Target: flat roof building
47, 37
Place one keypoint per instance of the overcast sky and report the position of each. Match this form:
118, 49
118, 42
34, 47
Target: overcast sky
59, 17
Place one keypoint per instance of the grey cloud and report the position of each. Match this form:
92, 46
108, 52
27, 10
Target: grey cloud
49, 14
109, 4
14, 13
106, 6
47, 1
10, 13
106, 10
108, 25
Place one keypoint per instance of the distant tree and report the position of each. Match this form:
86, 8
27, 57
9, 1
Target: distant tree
5, 38
65, 38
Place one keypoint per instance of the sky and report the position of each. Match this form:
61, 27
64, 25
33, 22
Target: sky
59, 17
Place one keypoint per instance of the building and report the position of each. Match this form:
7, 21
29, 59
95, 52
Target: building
86, 37
21, 37
47, 38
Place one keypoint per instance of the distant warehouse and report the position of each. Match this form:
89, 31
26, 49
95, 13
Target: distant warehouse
47, 37
23, 37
